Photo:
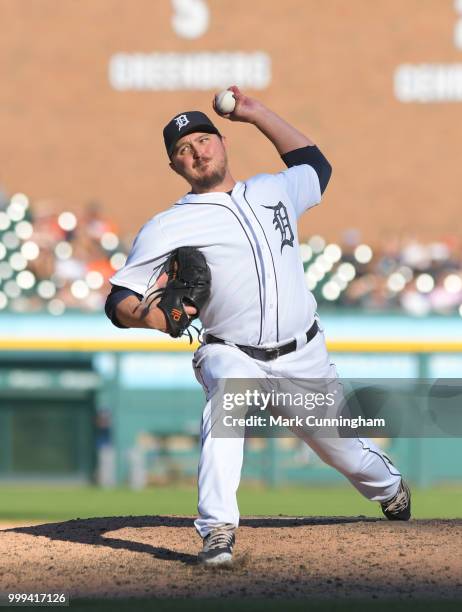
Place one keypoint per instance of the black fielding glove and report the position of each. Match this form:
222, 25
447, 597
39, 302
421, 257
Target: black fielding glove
188, 284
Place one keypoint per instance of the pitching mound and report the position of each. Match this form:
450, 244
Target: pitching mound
155, 557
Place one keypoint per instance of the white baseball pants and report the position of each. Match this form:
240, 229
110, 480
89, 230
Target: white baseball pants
358, 459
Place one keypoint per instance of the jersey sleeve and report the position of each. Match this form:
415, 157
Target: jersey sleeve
301, 183
146, 258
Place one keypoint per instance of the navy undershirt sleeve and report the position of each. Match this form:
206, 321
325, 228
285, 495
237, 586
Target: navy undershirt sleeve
312, 156
115, 297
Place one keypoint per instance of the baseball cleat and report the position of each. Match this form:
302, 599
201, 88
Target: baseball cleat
218, 546
398, 508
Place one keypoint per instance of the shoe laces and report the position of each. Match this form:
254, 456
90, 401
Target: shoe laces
399, 502
220, 538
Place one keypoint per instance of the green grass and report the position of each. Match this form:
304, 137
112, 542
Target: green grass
35, 502
275, 605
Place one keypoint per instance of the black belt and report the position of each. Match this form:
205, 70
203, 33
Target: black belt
267, 354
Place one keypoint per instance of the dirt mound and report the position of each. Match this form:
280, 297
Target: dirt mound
155, 556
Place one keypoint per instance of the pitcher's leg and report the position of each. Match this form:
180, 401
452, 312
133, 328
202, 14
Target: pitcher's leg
362, 462
221, 457
359, 459
218, 478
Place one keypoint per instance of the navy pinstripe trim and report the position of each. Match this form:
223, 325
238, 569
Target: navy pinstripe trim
198, 368
202, 433
387, 465
253, 252
272, 260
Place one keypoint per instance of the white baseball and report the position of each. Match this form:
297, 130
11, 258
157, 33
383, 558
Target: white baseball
225, 102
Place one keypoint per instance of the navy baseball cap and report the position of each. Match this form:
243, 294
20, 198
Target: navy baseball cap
186, 123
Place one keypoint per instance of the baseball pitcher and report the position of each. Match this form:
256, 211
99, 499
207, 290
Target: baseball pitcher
228, 251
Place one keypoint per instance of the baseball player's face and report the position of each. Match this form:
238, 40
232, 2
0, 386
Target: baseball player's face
201, 159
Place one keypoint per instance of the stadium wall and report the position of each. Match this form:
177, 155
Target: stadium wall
88, 86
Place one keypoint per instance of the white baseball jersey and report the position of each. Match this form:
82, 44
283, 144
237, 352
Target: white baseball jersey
249, 239
258, 298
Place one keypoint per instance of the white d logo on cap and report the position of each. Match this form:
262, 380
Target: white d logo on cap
181, 121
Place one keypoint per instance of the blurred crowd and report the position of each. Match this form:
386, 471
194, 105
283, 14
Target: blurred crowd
398, 274
54, 262
58, 261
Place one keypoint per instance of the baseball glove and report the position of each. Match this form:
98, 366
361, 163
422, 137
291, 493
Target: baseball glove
188, 285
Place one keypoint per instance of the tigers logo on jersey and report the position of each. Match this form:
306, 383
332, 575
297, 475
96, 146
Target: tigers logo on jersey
281, 222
